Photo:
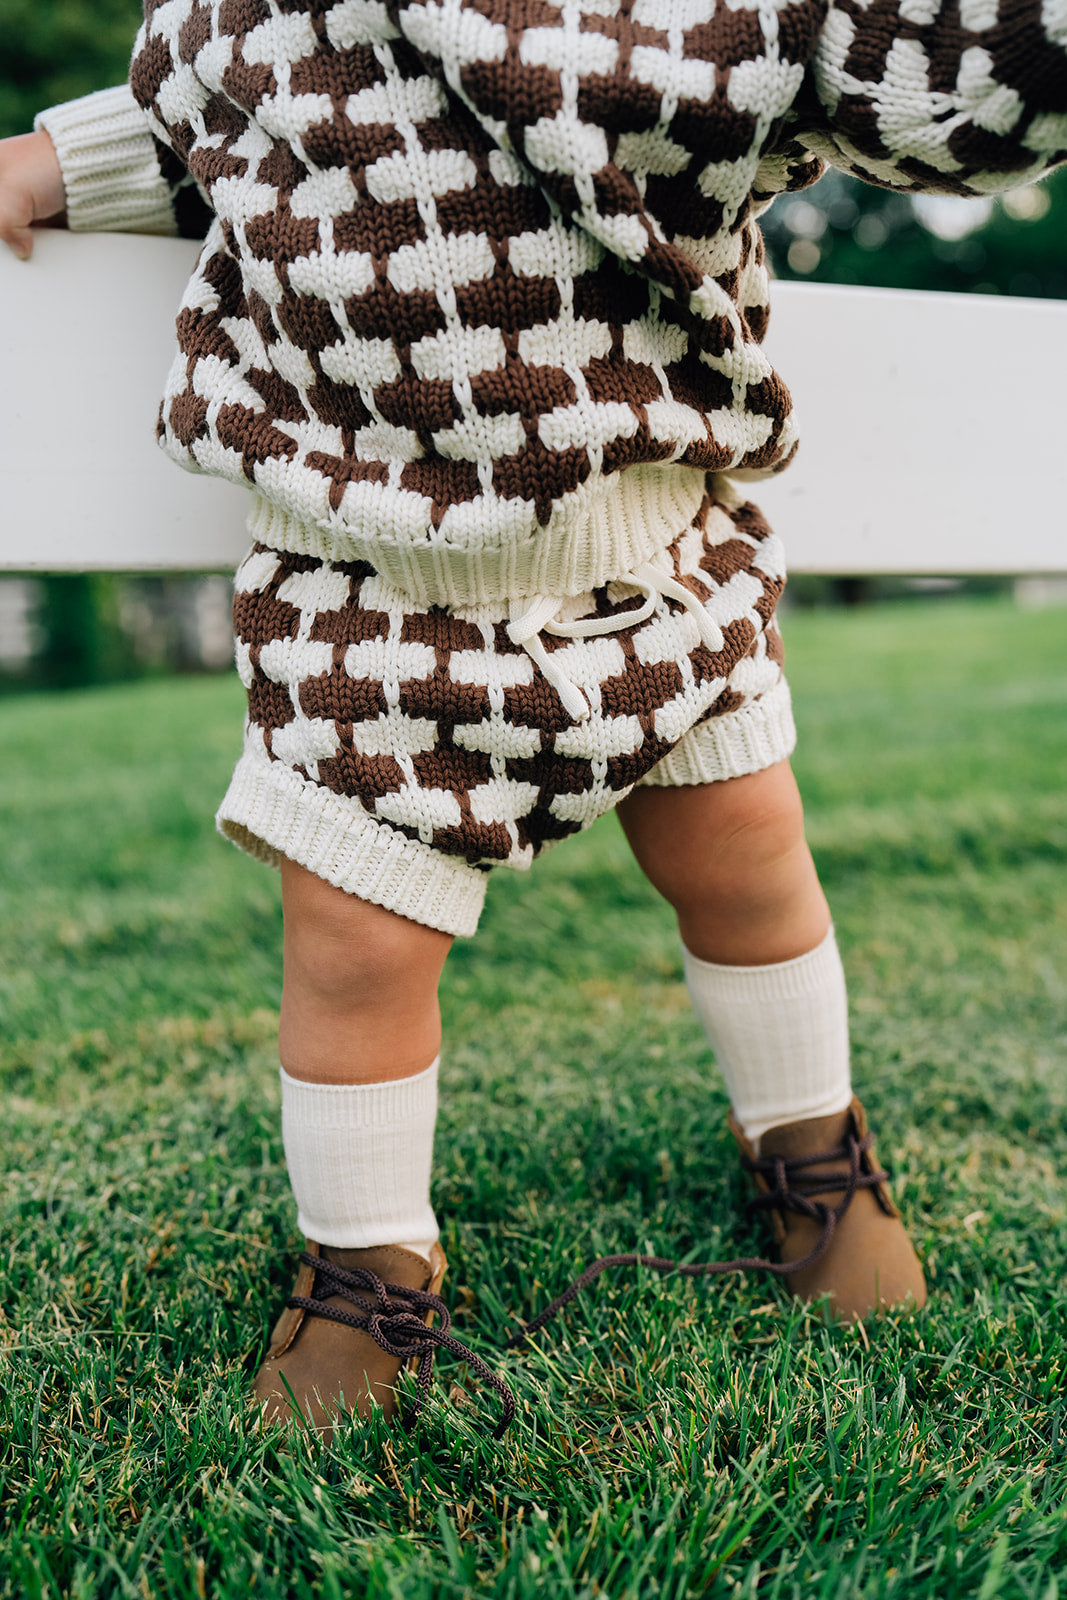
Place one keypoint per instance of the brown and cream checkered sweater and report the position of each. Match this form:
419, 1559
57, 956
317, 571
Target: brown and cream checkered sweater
483, 290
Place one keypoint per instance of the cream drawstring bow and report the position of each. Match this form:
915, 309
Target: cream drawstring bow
532, 617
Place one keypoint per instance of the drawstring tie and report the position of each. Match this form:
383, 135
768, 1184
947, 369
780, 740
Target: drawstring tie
540, 614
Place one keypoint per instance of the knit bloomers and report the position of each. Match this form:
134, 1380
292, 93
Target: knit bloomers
400, 751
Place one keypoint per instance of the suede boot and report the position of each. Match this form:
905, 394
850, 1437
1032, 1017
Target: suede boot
332, 1366
869, 1264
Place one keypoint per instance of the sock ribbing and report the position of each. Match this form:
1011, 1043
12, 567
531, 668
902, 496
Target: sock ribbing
359, 1159
779, 1033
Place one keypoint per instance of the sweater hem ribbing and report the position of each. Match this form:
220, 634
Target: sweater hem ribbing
607, 529
270, 811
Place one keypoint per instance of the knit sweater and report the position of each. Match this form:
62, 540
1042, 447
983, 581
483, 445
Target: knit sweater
483, 294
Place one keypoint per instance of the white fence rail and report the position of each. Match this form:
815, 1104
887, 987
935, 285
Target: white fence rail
934, 426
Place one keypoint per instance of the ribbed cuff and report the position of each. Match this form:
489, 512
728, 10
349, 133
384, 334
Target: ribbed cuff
780, 1035
359, 1158
333, 1107
110, 169
777, 980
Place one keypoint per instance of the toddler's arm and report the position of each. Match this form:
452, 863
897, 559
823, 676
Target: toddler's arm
97, 160
31, 189
927, 97
957, 96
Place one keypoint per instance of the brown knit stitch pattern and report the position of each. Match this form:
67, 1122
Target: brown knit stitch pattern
472, 255
392, 321
433, 722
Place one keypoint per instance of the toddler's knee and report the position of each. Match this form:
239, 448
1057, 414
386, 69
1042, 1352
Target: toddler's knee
751, 845
757, 856
333, 966
343, 950
759, 831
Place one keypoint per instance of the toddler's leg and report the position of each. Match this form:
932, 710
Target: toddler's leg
359, 1037
760, 958
767, 984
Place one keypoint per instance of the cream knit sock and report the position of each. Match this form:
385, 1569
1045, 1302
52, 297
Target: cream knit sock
359, 1160
779, 1033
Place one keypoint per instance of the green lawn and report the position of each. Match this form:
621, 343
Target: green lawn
673, 1439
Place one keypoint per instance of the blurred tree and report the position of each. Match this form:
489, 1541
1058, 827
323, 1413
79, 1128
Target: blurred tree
82, 640
843, 231
55, 50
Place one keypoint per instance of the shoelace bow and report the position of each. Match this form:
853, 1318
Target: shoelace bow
404, 1334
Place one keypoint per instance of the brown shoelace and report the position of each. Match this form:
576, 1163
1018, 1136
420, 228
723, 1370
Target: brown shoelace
393, 1316
401, 1332
791, 1190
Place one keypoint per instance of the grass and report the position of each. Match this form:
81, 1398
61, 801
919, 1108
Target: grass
673, 1439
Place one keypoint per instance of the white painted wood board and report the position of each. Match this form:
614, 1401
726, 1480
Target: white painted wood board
934, 426
86, 339
933, 431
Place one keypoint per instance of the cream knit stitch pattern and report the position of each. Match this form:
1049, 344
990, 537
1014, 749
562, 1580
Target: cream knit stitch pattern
483, 296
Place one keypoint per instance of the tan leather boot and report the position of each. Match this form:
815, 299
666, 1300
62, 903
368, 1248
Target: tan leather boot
806, 1171
332, 1366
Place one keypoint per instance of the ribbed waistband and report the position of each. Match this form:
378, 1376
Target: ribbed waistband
610, 526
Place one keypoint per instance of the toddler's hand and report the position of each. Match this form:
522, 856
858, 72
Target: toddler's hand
31, 189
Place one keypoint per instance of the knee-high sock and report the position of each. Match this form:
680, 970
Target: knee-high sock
779, 1033
359, 1160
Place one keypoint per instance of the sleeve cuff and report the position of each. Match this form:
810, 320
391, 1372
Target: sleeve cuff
110, 169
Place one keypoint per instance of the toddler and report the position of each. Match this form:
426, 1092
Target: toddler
478, 320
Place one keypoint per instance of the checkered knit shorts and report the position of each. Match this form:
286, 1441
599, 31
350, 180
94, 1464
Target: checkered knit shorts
401, 751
